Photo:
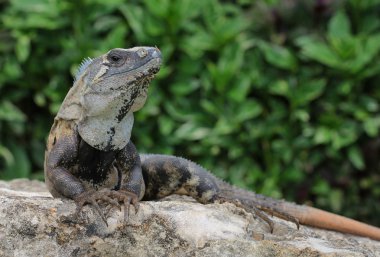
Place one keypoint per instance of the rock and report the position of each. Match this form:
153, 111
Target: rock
32, 223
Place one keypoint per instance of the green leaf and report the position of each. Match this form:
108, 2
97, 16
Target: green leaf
339, 26
336, 199
190, 131
318, 51
159, 8
224, 126
23, 48
247, 110
240, 89
367, 51
280, 87
356, 157
135, 17
116, 37
308, 91
6, 155
106, 23
10, 112
196, 44
321, 187
322, 135
301, 115
345, 49
12, 69
20, 168
210, 106
166, 125
34, 14
346, 135
183, 88
372, 126
278, 56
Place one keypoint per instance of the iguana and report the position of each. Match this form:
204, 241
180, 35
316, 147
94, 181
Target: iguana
89, 155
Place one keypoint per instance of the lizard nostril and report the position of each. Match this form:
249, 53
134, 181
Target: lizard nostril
156, 53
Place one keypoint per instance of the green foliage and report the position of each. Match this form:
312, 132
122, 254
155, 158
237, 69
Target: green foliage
280, 97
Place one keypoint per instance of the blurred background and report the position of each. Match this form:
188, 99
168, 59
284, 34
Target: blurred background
276, 96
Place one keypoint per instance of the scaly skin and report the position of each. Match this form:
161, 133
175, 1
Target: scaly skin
90, 157
165, 175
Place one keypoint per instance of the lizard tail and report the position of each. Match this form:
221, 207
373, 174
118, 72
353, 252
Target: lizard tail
322, 219
306, 215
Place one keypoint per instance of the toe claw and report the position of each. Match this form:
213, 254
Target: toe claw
108, 196
281, 215
137, 207
97, 208
126, 208
261, 211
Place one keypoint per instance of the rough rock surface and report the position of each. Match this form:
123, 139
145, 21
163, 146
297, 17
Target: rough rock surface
32, 223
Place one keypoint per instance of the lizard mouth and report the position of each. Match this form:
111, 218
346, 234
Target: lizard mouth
145, 73
150, 68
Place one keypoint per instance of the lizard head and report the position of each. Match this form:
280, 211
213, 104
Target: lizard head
106, 92
123, 73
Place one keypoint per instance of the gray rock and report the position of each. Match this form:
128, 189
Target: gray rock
32, 223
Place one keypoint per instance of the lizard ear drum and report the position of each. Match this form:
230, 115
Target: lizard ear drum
82, 66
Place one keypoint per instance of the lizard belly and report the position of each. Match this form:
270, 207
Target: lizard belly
100, 179
96, 169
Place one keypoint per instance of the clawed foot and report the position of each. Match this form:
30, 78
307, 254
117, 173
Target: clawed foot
261, 212
281, 215
108, 196
128, 198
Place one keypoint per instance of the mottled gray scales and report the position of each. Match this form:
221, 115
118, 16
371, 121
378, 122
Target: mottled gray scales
90, 158
165, 175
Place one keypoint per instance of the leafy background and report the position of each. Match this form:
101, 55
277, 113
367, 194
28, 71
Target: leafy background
280, 97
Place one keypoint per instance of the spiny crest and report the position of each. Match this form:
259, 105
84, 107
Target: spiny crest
82, 67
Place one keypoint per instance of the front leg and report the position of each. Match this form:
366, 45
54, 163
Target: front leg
61, 158
132, 186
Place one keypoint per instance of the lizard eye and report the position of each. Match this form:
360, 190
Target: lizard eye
115, 58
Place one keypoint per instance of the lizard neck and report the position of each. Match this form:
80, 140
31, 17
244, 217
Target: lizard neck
107, 133
106, 122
